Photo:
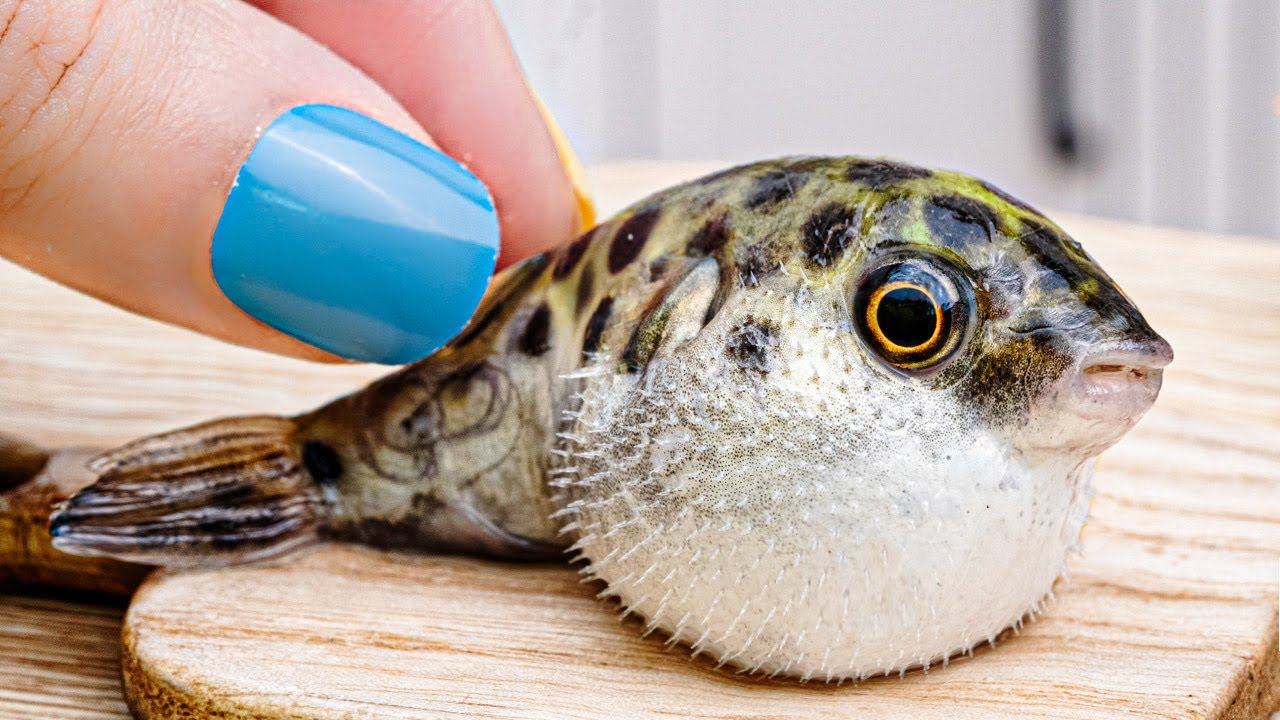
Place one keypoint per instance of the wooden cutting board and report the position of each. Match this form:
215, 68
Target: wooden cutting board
1170, 612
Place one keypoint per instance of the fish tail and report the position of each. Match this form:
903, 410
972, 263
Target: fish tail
221, 492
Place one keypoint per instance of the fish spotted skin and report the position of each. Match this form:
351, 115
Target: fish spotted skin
685, 399
808, 219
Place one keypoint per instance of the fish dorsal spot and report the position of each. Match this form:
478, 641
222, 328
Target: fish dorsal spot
677, 318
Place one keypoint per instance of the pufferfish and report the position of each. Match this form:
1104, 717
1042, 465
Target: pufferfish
815, 417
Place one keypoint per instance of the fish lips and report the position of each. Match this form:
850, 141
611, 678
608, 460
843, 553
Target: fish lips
1108, 389
1102, 394
1117, 381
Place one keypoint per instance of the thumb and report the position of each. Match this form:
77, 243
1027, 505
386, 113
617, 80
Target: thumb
204, 164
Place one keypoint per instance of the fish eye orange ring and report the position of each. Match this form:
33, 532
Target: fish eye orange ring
873, 321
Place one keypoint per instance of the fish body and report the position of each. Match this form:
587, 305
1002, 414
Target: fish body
816, 417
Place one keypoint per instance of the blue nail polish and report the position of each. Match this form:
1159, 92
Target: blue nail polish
354, 237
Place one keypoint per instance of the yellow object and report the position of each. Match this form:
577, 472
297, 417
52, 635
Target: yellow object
572, 167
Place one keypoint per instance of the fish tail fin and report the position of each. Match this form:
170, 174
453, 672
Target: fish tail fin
221, 492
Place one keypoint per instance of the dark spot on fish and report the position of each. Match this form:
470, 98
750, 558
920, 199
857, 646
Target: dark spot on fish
497, 304
478, 325
828, 233
321, 461
423, 419
426, 504
757, 262
957, 222
804, 165
877, 174
645, 338
1067, 263
595, 326
1004, 381
751, 344
658, 267
585, 291
1049, 248
773, 187
713, 235
432, 524
651, 327
464, 373
408, 531
373, 531
633, 355
1009, 198
572, 253
631, 237
535, 340
416, 434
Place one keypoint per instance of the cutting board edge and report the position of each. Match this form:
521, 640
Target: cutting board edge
1255, 694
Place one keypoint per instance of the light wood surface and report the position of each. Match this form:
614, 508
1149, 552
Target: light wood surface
60, 659
1170, 612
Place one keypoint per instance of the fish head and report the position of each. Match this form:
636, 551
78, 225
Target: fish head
964, 292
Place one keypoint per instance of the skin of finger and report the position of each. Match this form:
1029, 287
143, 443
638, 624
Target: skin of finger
121, 128
450, 64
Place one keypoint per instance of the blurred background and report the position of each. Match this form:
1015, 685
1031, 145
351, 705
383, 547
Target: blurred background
1161, 111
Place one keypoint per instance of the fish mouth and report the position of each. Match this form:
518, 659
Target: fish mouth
1119, 381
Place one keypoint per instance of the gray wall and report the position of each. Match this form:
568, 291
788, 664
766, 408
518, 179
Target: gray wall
1178, 101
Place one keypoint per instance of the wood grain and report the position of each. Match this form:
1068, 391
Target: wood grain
59, 659
1170, 612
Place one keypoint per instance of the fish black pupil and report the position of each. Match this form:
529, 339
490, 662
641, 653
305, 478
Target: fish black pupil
907, 317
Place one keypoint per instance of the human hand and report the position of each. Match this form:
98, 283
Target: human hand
124, 124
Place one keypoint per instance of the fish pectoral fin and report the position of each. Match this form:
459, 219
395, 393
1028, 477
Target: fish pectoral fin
453, 526
476, 532
677, 318
222, 492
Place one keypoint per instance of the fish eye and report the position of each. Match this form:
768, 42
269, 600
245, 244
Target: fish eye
912, 313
